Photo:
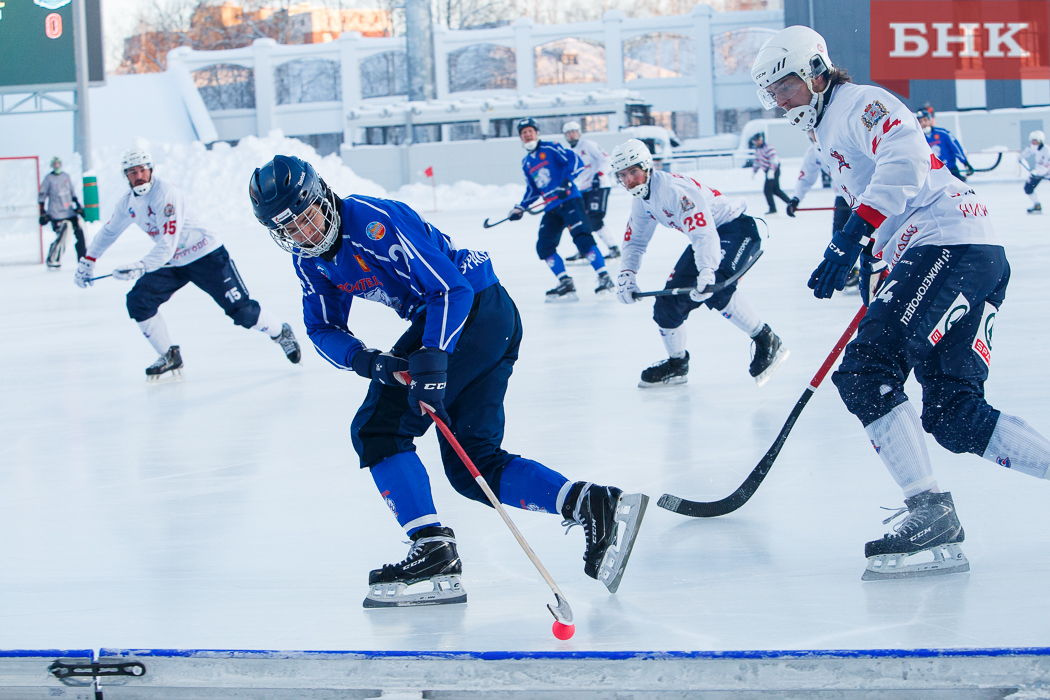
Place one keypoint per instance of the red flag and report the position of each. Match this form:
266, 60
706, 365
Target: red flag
429, 172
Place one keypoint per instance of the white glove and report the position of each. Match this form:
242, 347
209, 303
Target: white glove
705, 278
130, 272
626, 287
85, 270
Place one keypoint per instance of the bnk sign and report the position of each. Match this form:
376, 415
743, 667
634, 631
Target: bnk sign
940, 39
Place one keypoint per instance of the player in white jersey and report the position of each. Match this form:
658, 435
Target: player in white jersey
933, 313
594, 183
1036, 149
183, 251
721, 239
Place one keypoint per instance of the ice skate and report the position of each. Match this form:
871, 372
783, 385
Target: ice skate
606, 286
577, 259
614, 252
770, 353
288, 343
433, 559
670, 372
168, 367
601, 510
852, 282
931, 526
565, 291
1036, 209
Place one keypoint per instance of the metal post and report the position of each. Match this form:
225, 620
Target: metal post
83, 113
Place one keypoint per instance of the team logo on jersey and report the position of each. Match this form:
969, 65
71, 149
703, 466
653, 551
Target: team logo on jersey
956, 310
149, 210
169, 210
542, 177
321, 269
840, 158
873, 113
132, 212
362, 263
668, 214
543, 156
375, 230
687, 204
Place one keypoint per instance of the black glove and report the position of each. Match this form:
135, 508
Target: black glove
77, 209
429, 370
840, 256
792, 207
516, 213
596, 182
383, 367
44, 219
564, 190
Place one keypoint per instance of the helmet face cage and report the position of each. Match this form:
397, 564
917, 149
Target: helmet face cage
134, 158
630, 154
299, 220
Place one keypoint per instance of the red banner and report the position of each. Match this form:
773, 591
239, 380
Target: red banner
964, 39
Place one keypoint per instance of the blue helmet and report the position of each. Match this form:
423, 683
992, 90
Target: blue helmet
282, 191
528, 121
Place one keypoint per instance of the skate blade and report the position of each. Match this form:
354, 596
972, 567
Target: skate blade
947, 559
580, 261
447, 590
170, 377
673, 381
571, 296
630, 510
782, 354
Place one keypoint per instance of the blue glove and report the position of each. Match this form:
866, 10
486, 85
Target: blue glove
840, 257
429, 370
872, 270
383, 367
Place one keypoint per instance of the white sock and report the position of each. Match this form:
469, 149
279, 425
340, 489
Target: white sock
267, 323
742, 315
1035, 200
156, 332
898, 439
606, 237
674, 341
1016, 445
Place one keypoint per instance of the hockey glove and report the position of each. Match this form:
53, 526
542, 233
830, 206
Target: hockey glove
44, 219
77, 209
383, 367
596, 182
698, 294
840, 257
85, 270
429, 370
792, 207
130, 272
564, 190
626, 286
872, 272
516, 213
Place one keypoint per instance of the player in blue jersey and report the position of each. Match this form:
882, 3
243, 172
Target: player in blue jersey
550, 169
456, 358
944, 145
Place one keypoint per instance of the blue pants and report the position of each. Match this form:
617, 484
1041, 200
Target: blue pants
1033, 182
934, 316
571, 215
478, 372
215, 273
596, 201
739, 239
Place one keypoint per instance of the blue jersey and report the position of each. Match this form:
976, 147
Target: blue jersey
390, 255
945, 147
547, 168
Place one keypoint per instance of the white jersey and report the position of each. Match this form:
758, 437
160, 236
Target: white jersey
684, 204
879, 157
595, 162
178, 238
808, 175
1042, 159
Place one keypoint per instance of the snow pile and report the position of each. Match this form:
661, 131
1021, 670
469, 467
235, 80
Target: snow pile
462, 195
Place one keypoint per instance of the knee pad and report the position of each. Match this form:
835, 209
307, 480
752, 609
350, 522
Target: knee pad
670, 312
246, 315
868, 384
955, 413
140, 308
1029, 187
461, 480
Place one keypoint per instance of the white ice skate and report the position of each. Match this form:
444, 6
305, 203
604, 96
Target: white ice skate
444, 591
946, 559
630, 509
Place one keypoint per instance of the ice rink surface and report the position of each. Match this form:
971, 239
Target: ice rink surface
228, 512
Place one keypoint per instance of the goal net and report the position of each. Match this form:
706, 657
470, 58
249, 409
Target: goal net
21, 236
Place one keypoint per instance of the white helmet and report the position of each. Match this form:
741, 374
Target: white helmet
572, 126
1037, 135
629, 153
136, 157
796, 50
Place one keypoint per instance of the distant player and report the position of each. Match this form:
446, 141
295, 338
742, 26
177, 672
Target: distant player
1036, 149
932, 315
183, 251
455, 358
767, 160
59, 205
550, 173
594, 183
945, 146
721, 239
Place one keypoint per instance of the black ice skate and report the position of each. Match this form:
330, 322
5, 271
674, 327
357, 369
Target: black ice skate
565, 291
769, 353
577, 259
667, 373
614, 252
606, 286
432, 557
931, 526
1036, 209
853, 281
601, 510
167, 367
288, 343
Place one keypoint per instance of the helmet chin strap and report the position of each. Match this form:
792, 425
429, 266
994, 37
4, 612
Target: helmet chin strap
144, 188
805, 117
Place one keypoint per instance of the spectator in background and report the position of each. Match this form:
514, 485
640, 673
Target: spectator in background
766, 159
62, 206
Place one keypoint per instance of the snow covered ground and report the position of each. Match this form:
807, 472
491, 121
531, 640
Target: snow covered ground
227, 511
